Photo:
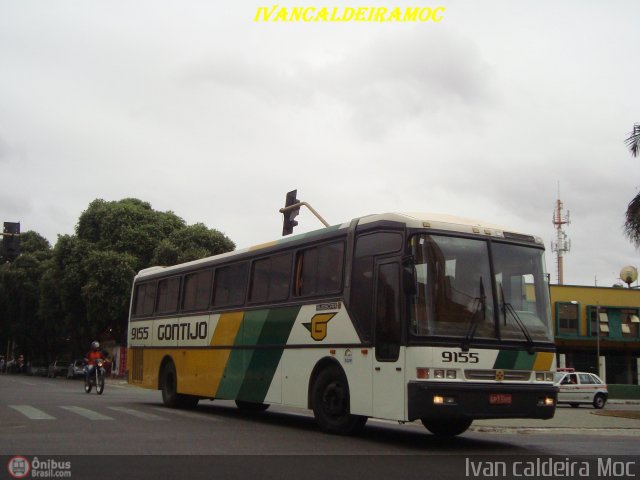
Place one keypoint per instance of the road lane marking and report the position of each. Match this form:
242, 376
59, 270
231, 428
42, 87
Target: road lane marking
32, 413
182, 413
137, 413
86, 413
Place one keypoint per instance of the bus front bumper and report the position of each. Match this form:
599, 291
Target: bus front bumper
442, 400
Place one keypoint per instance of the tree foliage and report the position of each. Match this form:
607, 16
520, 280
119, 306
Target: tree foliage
632, 222
57, 300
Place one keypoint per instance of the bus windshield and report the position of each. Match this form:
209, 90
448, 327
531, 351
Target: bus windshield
456, 293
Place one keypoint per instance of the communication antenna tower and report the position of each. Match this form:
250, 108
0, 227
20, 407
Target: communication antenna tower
562, 244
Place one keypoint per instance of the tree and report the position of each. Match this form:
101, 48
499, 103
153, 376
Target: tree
58, 300
191, 243
113, 241
127, 226
20, 297
632, 223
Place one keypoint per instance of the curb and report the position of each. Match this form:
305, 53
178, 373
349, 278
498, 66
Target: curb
627, 432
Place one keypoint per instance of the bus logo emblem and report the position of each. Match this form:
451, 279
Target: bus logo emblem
499, 375
318, 325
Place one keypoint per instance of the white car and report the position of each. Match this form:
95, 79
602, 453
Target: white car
580, 387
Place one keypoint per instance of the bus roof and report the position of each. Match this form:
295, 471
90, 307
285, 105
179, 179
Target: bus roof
418, 220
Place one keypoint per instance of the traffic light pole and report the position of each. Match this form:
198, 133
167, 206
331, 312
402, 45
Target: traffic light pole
11, 240
311, 209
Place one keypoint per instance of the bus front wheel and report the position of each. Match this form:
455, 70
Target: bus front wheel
447, 428
330, 402
170, 396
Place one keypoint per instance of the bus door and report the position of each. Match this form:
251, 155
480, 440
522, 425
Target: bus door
388, 375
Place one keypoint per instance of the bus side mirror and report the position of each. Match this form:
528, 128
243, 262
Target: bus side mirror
409, 277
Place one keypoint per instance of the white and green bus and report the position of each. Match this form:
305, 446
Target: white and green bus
392, 316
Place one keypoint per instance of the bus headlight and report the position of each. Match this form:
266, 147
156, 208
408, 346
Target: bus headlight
451, 374
438, 374
546, 401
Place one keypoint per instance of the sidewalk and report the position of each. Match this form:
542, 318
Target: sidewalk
567, 420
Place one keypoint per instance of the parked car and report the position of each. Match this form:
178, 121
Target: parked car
37, 369
577, 388
76, 369
58, 367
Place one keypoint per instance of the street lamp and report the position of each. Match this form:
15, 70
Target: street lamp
598, 339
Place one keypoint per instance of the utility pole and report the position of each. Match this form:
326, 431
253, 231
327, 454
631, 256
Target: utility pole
562, 244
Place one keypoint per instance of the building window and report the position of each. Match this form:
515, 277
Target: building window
598, 321
629, 322
568, 320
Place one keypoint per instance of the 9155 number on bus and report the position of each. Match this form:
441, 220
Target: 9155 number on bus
460, 357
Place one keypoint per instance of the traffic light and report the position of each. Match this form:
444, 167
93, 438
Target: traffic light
289, 214
11, 240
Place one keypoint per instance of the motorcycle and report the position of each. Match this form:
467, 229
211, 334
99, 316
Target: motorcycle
95, 378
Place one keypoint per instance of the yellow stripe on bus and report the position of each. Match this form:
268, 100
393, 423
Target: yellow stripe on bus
543, 361
224, 334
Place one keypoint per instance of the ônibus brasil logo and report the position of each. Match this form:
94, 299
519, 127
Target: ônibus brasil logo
19, 467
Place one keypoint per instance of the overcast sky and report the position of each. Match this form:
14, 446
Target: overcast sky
195, 108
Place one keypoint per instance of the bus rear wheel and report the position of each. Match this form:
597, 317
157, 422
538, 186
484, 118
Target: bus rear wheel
447, 428
169, 385
330, 402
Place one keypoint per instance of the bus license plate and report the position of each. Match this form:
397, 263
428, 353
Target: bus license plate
500, 399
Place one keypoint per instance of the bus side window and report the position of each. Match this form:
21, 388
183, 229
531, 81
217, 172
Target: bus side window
197, 290
145, 299
319, 269
230, 285
270, 278
168, 295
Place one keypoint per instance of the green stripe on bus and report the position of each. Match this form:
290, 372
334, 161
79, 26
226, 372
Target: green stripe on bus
236, 369
264, 362
514, 360
524, 361
506, 359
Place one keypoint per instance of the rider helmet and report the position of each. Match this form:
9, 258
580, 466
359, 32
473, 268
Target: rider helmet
95, 345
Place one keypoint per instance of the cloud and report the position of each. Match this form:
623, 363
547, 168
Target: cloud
395, 79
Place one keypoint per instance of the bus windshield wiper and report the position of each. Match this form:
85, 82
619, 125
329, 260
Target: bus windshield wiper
480, 304
507, 307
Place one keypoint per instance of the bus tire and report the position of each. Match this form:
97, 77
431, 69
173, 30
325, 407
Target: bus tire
169, 385
251, 407
330, 403
447, 428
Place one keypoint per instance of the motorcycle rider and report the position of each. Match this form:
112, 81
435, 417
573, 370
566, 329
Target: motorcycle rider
90, 358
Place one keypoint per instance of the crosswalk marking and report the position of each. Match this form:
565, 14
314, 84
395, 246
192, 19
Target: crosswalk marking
86, 413
32, 412
137, 413
182, 413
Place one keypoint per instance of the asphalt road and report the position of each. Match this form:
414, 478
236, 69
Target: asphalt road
54, 417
